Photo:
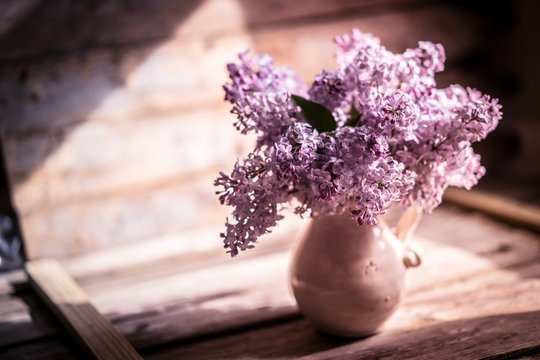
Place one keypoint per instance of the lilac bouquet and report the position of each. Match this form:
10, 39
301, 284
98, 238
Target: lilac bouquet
372, 133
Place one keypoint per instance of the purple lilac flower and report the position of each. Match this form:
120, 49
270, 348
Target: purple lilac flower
398, 139
260, 95
256, 195
328, 89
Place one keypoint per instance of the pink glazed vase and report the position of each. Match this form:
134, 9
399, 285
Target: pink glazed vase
348, 279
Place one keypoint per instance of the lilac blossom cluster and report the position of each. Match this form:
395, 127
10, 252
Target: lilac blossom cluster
390, 137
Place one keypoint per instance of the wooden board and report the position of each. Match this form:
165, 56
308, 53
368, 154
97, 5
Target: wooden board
72, 306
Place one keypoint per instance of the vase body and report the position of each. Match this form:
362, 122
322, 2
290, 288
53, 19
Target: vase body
348, 278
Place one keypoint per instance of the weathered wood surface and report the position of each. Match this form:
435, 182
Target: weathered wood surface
500, 207
125, 23
475, 296
502, 336
112, 117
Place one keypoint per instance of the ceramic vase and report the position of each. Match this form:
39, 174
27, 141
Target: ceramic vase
348, 278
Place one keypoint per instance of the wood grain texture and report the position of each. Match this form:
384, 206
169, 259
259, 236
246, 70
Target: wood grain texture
474, 296
474, 338
71, 304
23, 317
174, 207
471, 265
503, 208
121, 24
164, 77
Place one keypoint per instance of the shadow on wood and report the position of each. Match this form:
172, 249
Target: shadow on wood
49, 66
468, 338
27, 328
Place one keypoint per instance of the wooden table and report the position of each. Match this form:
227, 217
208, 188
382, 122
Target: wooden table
476, 296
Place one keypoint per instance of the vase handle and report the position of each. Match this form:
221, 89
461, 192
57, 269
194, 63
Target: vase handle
412, 255
406, 225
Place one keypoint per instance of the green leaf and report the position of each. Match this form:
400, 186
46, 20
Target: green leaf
318, 116
354, 120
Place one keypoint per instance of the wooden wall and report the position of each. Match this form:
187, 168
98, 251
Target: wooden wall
112, 118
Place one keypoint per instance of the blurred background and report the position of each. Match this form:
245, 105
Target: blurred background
113, 124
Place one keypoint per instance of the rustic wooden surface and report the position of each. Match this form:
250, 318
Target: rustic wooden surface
500, 207
476, 296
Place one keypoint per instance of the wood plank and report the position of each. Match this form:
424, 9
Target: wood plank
499, 207
122, 24
143, 155
71, 304
74, 156
497, 292
473, 338
452, 236
500, 336
204, 302
173, 254
119, 220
